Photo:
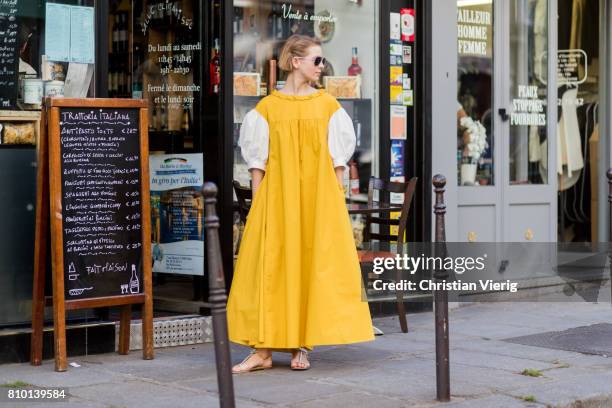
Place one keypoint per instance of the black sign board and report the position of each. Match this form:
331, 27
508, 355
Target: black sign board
93, 201
9, 54
101, 202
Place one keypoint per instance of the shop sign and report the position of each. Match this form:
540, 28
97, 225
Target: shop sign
473, 31
171, 54
528, 109
572, 67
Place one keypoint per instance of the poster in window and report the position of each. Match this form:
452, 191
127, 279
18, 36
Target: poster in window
177, 213
398, 122
394, 26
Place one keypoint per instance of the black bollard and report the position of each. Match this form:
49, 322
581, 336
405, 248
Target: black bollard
218, 299
609, 175
441, 297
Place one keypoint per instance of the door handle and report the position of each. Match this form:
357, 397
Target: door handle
503, 114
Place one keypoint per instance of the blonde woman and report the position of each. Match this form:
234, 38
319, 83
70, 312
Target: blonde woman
297, 282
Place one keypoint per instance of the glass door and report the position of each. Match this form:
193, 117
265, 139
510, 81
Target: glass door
530, 121
480, 50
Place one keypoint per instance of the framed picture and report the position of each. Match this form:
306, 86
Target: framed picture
247, 83
343, 86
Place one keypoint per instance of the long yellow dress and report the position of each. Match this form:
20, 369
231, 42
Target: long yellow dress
297, 280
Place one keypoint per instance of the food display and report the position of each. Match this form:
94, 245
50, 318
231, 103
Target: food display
18, 133
343, 86
247, 83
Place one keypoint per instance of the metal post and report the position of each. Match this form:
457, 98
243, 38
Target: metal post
218, 299
609, 175
441, 297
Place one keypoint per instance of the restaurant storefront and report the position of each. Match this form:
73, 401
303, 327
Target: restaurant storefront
200, 66
466, 89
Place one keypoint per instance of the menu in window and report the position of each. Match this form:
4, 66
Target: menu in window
69, 33
9, 53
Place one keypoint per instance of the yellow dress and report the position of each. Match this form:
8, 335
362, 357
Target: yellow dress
297, 280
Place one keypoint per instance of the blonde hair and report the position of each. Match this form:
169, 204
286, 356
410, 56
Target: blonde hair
295, 46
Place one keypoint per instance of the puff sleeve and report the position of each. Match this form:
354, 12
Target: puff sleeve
253, 140
341, 137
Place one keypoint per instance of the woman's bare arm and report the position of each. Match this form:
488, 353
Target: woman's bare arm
340, 174
256, 177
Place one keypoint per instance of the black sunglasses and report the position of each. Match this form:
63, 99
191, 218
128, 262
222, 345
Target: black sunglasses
317, 60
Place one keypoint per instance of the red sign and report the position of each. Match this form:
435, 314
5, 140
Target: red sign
408, 22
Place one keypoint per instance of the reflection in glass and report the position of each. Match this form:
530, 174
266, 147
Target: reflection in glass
475, 93
260, 30
528, 156
165, 55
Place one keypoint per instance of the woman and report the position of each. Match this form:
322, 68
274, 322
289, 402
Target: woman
297, 281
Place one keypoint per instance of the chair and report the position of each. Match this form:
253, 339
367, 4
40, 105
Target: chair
384, 188
244, 195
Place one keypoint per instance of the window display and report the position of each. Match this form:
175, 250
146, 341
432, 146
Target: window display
475, 145
260, 30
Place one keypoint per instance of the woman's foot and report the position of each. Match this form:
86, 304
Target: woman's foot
299, 359
256, 360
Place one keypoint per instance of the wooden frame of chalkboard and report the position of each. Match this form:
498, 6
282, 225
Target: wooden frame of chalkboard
93, 198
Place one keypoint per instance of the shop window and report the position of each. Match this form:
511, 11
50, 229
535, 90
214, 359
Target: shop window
475, 93
579, 150
348, 33
528, 154
157, 51
45, 45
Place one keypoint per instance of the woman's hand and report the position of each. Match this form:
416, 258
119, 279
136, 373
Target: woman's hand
256, 177
339, 174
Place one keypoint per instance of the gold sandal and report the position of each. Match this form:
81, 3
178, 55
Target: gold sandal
244, 368
302, 358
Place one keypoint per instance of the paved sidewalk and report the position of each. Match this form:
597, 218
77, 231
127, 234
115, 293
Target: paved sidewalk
395, 370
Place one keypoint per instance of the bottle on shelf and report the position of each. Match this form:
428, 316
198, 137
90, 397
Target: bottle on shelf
115, 34
110, 80
154, 119
271, 76
215, 70
123, 33
186, 120
354, 177
355, 68
120, 82
272, 22
163, 118
169, 13
280, 26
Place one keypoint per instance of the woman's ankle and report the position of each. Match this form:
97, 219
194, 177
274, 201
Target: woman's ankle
264, 353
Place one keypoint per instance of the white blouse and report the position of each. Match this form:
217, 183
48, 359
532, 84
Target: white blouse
254, 139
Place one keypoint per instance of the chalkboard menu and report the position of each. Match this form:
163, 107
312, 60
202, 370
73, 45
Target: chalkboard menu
101, 201
92, 199
9, 54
